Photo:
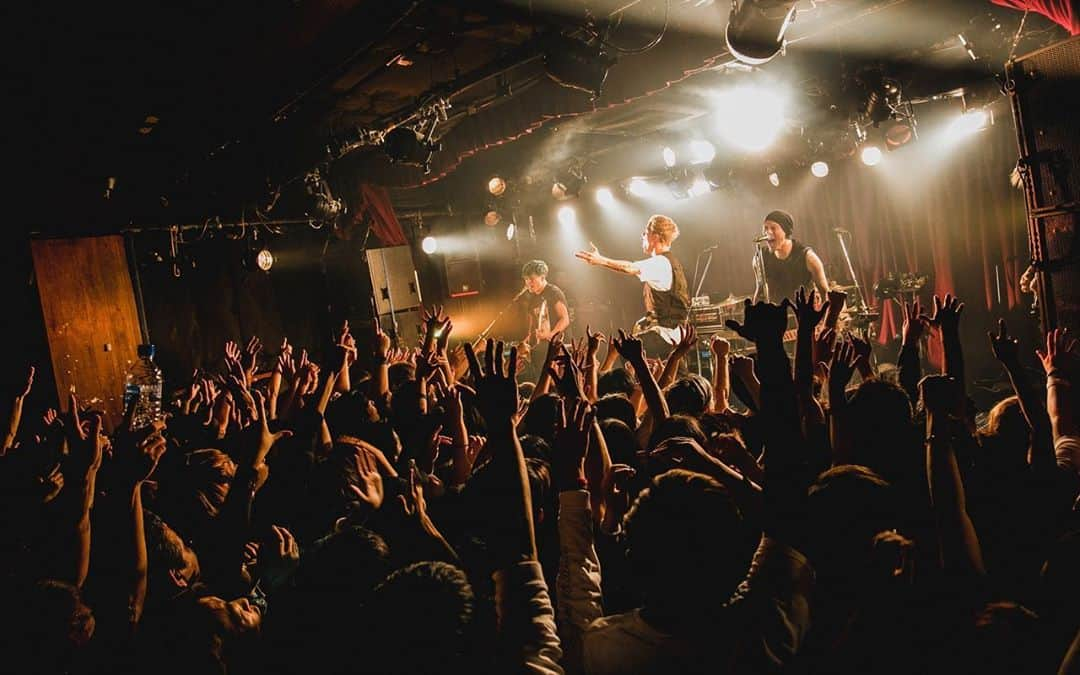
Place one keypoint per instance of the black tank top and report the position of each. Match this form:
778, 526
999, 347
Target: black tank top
785, 276
671, 307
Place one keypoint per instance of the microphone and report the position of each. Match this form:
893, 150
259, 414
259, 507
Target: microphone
764, 237
522, 292
710, 248
840, 230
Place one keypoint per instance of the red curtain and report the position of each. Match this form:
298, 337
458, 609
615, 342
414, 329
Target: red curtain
375, 203
1065, 13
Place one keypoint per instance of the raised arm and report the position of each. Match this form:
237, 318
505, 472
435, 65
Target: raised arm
593, 257
910, 369
817, 273
947, 318
721, 376
687, 340
1006, 351
1061, 360
631, 350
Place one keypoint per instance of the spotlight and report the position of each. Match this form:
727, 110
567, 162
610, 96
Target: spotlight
679, 183
511, 230
699, 187
264, 259
605, 198
750, 117
970, 122
404, 146
755, 30
496, 186
716, 178
492, 218
774, 178
669, 157
898, 134
701, 151
567, 216
638, 187
819, 169
323, 206
429, 245
881, 96
577, 65
871, 155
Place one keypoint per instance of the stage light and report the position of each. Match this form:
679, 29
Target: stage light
774, 178
898, 134
871, 155
716, 178
605, 198
699, 187
264, 259
496, 186
970, 122
492, 218
322, 205
429, 245
701, 151
669, 157
404, 146
679, 183
750, 117
576, 64
568, 183
755, 29
511, 230
567, 216
638, 187
819, 169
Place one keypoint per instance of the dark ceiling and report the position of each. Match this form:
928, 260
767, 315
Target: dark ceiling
210, 109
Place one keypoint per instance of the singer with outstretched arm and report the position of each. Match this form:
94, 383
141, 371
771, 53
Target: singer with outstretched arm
667, 297
545, 303
789, 263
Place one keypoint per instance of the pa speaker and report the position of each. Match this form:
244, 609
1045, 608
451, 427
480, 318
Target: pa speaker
393, 279
1044, 90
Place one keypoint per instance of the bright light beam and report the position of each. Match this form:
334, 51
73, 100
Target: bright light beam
604, 198
750, 117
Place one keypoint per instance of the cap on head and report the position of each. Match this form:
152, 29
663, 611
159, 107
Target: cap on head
783, 219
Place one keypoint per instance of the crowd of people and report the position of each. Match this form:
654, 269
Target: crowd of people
421, 510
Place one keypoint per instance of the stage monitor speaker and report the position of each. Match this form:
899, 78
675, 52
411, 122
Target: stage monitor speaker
405, 327
393, 279
463, 276
1044, 90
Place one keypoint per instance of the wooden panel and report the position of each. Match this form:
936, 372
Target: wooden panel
91, 320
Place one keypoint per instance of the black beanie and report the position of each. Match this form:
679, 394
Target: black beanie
783, 219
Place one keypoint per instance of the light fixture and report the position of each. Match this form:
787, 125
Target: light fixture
567, 216
496, 186
774, 179
404, 145
511, 230
699, 187
871, 155
755, 29
750, 117
669, 157
492, 217
576, 64
819, 169
638, 187
568, 183
970, 122
264, 259
429, 245
605, 198
679, 184
701, 151
716, 178
322, 204
898, 134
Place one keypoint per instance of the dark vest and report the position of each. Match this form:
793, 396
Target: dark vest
785, 276
670, 307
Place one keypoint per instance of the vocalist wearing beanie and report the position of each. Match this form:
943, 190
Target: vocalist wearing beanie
789, 263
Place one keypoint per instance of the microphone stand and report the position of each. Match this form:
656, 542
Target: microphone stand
484, 333
759, 272
851, 270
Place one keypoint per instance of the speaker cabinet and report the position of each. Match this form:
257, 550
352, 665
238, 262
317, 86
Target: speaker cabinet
393, 279
463, 276
404, 327
1044, 90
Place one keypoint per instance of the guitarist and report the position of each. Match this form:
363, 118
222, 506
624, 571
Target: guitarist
545, 304
667, 297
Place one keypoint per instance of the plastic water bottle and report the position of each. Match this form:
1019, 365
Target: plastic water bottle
142, 388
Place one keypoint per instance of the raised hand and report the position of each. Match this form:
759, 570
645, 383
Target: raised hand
862, 350
278, 558
16, 413
370, 490
85, 442
1005, 347
824, 342
687, 339
136, 452
262, 440
807, 316
251, 359
941, 395
840, 369
591, 256
617, 489
594, 340
947, 313
630, 348
496, 388
719, 347
1062, 352
380, 341
762, 322
232, 359
571, 444
914, 321
569, 383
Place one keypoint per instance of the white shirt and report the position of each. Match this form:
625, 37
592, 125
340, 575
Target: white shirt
655, 271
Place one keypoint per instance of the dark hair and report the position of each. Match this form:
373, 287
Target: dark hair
677, 425
617, 407
616, 381
691, 395
445, 621
622, 442
541, 416
882, 431
535, 447
846, 507
684, 539
534, 268
783, 219
525, 390
162, 552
